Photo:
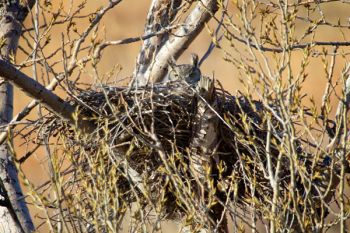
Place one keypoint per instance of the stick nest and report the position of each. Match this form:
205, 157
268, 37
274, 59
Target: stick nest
135, 127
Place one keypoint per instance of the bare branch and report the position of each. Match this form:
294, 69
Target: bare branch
102, 46
160, 15
292, 47
39, 92
92, 25
180, 41
15, 217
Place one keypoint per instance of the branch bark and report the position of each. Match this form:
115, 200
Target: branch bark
179, 41
37, 91
14, 214
160, 15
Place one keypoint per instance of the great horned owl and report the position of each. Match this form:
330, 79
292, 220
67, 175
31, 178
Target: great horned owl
188, 72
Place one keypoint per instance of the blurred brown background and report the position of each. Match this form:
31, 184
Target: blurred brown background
127, 20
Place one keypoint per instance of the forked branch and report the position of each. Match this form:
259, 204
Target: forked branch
177, 43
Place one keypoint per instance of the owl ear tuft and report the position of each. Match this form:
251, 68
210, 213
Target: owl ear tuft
194, 60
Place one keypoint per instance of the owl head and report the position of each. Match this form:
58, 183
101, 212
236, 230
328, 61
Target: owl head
188, 72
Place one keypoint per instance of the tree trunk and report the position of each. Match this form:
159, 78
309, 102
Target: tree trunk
180, 40
14, 214
160, 16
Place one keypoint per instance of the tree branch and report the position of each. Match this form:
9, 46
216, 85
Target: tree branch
160, 15
292, 47
180, 41
15, 216
34, 89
